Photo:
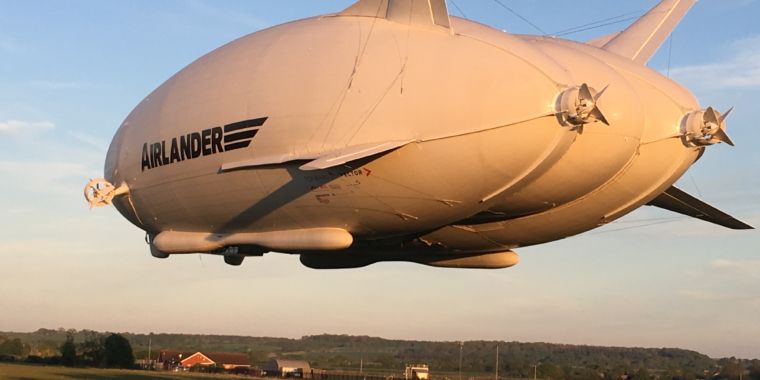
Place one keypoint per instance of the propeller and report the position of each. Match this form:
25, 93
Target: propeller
99, 192
579, 105
707, 127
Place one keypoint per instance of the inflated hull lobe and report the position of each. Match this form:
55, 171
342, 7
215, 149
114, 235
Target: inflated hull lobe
391, 131
495, 114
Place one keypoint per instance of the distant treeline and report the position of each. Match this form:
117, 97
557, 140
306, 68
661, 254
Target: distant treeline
344, 352
105, 350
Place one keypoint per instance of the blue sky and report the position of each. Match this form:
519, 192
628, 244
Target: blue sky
71, 71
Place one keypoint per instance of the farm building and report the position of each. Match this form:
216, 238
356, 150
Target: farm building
228, 360
287, 367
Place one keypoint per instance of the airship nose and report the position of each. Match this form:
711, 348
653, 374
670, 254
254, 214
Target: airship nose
111, 170
114, 188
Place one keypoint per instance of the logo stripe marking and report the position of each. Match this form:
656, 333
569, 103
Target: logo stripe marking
245, 124
240, 136
237, 145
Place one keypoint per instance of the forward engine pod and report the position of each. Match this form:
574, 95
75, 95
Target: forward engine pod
313, 239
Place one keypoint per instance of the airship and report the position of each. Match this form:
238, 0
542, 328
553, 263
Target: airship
393, 131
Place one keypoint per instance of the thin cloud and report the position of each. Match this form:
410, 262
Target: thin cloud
19, 127
740, 3
724, 297
742, 267
58, 85
47, 177
700, 295
209, 10
740, 70
95, 142
727, 280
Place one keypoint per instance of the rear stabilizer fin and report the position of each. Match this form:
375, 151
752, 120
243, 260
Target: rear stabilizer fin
601, 41
641, 40
677, 200
367, 8
412, 12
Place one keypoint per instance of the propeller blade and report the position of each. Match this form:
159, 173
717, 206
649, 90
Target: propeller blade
597, 114
711, 116
600, 93
585, 93
725, 115
723, 136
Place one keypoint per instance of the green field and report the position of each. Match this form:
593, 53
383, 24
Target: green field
34, 372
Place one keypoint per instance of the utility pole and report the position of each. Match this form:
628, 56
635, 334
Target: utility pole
496, 377
461, 343
150, 342
361, 365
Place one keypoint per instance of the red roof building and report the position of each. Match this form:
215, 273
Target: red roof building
228, 360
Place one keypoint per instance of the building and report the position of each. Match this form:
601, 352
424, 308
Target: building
287, 367
416, 372
170, 360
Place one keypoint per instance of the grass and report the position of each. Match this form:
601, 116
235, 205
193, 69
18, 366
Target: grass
38, 372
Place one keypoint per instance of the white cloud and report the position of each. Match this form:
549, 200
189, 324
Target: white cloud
727, 280
740, 70
19, 127
749, 268
46, 177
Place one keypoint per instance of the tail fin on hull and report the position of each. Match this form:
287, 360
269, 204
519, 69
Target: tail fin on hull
676, 200
642, 39
413, 12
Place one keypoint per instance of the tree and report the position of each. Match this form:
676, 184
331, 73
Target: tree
12, 347
754, 372
118, 352
641, 374
91, 350
732, 370
258, 357
68, 351
550, 371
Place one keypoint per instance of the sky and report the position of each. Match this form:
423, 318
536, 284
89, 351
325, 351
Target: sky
71, 71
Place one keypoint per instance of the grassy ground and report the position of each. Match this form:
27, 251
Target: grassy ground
35, 372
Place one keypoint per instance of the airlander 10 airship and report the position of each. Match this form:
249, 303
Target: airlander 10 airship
392, 131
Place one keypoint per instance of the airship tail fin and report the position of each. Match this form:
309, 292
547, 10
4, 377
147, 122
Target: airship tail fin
601, 41
367, 8
642, 39
414, 12
677, 200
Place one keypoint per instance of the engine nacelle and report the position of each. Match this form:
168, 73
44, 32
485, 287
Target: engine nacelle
495, 260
